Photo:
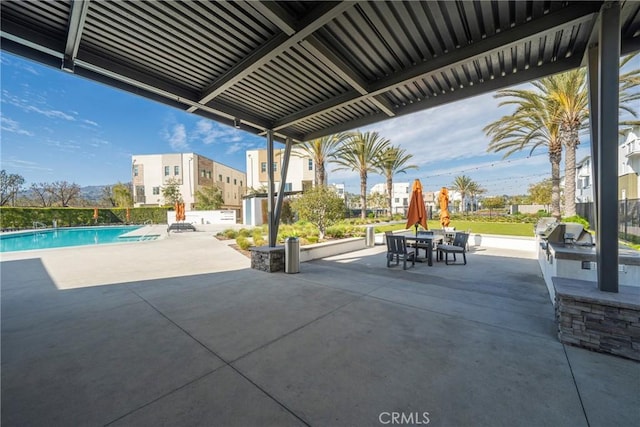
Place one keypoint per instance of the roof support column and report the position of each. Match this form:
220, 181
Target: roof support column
284, 167
273, 231
607, 169
593, 59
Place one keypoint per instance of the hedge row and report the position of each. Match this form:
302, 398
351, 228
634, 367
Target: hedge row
19, 217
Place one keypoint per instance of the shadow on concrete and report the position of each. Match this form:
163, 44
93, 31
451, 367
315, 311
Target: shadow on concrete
344, 342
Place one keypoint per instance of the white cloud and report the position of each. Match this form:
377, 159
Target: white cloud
90, 122
209, 133
12, 162
70, 146
29, 107
177, 137
13, 126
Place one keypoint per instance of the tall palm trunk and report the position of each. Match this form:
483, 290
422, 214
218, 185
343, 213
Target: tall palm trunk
320, 173
569, 135
390, 192
363, 194
555, 157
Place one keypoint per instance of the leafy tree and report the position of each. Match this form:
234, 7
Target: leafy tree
171, 192
393, 160
42, 194
287, 216
320, 151
379, 201
360, 153
541, 192
10, 186
64, 192
106, 197
493, 203
463, 185
122, 195
319, 205
209, 198
533, 124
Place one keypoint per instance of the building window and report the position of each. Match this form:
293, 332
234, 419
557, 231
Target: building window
235, 181
209, 174
275, 167
219, 177
227, 180
396, 200
287, 186
135, 170
263, 167
176, 170
240, 183
156, 191
203, 173
310, 164
166, 171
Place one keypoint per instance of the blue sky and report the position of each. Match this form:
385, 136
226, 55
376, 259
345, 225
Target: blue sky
56, 126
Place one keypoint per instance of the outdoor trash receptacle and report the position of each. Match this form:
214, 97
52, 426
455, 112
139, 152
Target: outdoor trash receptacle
370, 237
292, 255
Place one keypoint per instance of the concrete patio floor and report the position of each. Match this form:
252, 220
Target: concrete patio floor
182, 332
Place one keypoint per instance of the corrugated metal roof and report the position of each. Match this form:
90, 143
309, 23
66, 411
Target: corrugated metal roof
307, 69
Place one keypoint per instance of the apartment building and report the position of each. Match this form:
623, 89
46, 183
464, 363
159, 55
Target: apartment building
150, 172
399, 199
628, 170
300, 172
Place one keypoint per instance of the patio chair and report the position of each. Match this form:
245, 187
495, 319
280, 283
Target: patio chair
397, 248
458, 246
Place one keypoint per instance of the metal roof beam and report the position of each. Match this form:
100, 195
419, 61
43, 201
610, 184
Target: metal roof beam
157, 86
77, 16
532, 73
553, 22
337, 65
276, 15
323, 14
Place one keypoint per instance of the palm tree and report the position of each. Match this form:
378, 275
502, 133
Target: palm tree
570, 92
359, 153
533, 124
464, 185
393, 161
320, 151
475, 190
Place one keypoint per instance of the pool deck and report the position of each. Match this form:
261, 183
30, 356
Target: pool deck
180, 331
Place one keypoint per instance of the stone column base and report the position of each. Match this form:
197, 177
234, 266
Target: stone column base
266, 258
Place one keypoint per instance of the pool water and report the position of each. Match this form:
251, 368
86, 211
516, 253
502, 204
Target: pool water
64, 237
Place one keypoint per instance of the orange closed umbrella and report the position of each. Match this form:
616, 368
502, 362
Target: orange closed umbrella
179, 207
443, 200
128, 215
417, 214
95, 213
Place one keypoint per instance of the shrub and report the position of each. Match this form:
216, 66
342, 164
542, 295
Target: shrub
230, 233
243, 242
244, 232
258, 240
577, 219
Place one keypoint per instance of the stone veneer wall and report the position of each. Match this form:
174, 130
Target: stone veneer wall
596, 320
267, 259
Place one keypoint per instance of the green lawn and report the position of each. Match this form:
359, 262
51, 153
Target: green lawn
501, 228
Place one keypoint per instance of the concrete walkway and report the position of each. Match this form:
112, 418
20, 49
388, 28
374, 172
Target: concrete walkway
181, 331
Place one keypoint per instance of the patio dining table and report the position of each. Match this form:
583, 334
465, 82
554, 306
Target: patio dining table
423, 241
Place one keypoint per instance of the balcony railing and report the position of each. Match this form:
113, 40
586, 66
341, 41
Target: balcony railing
141, 199
632, 148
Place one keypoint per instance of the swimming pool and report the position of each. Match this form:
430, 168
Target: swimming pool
64, 237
